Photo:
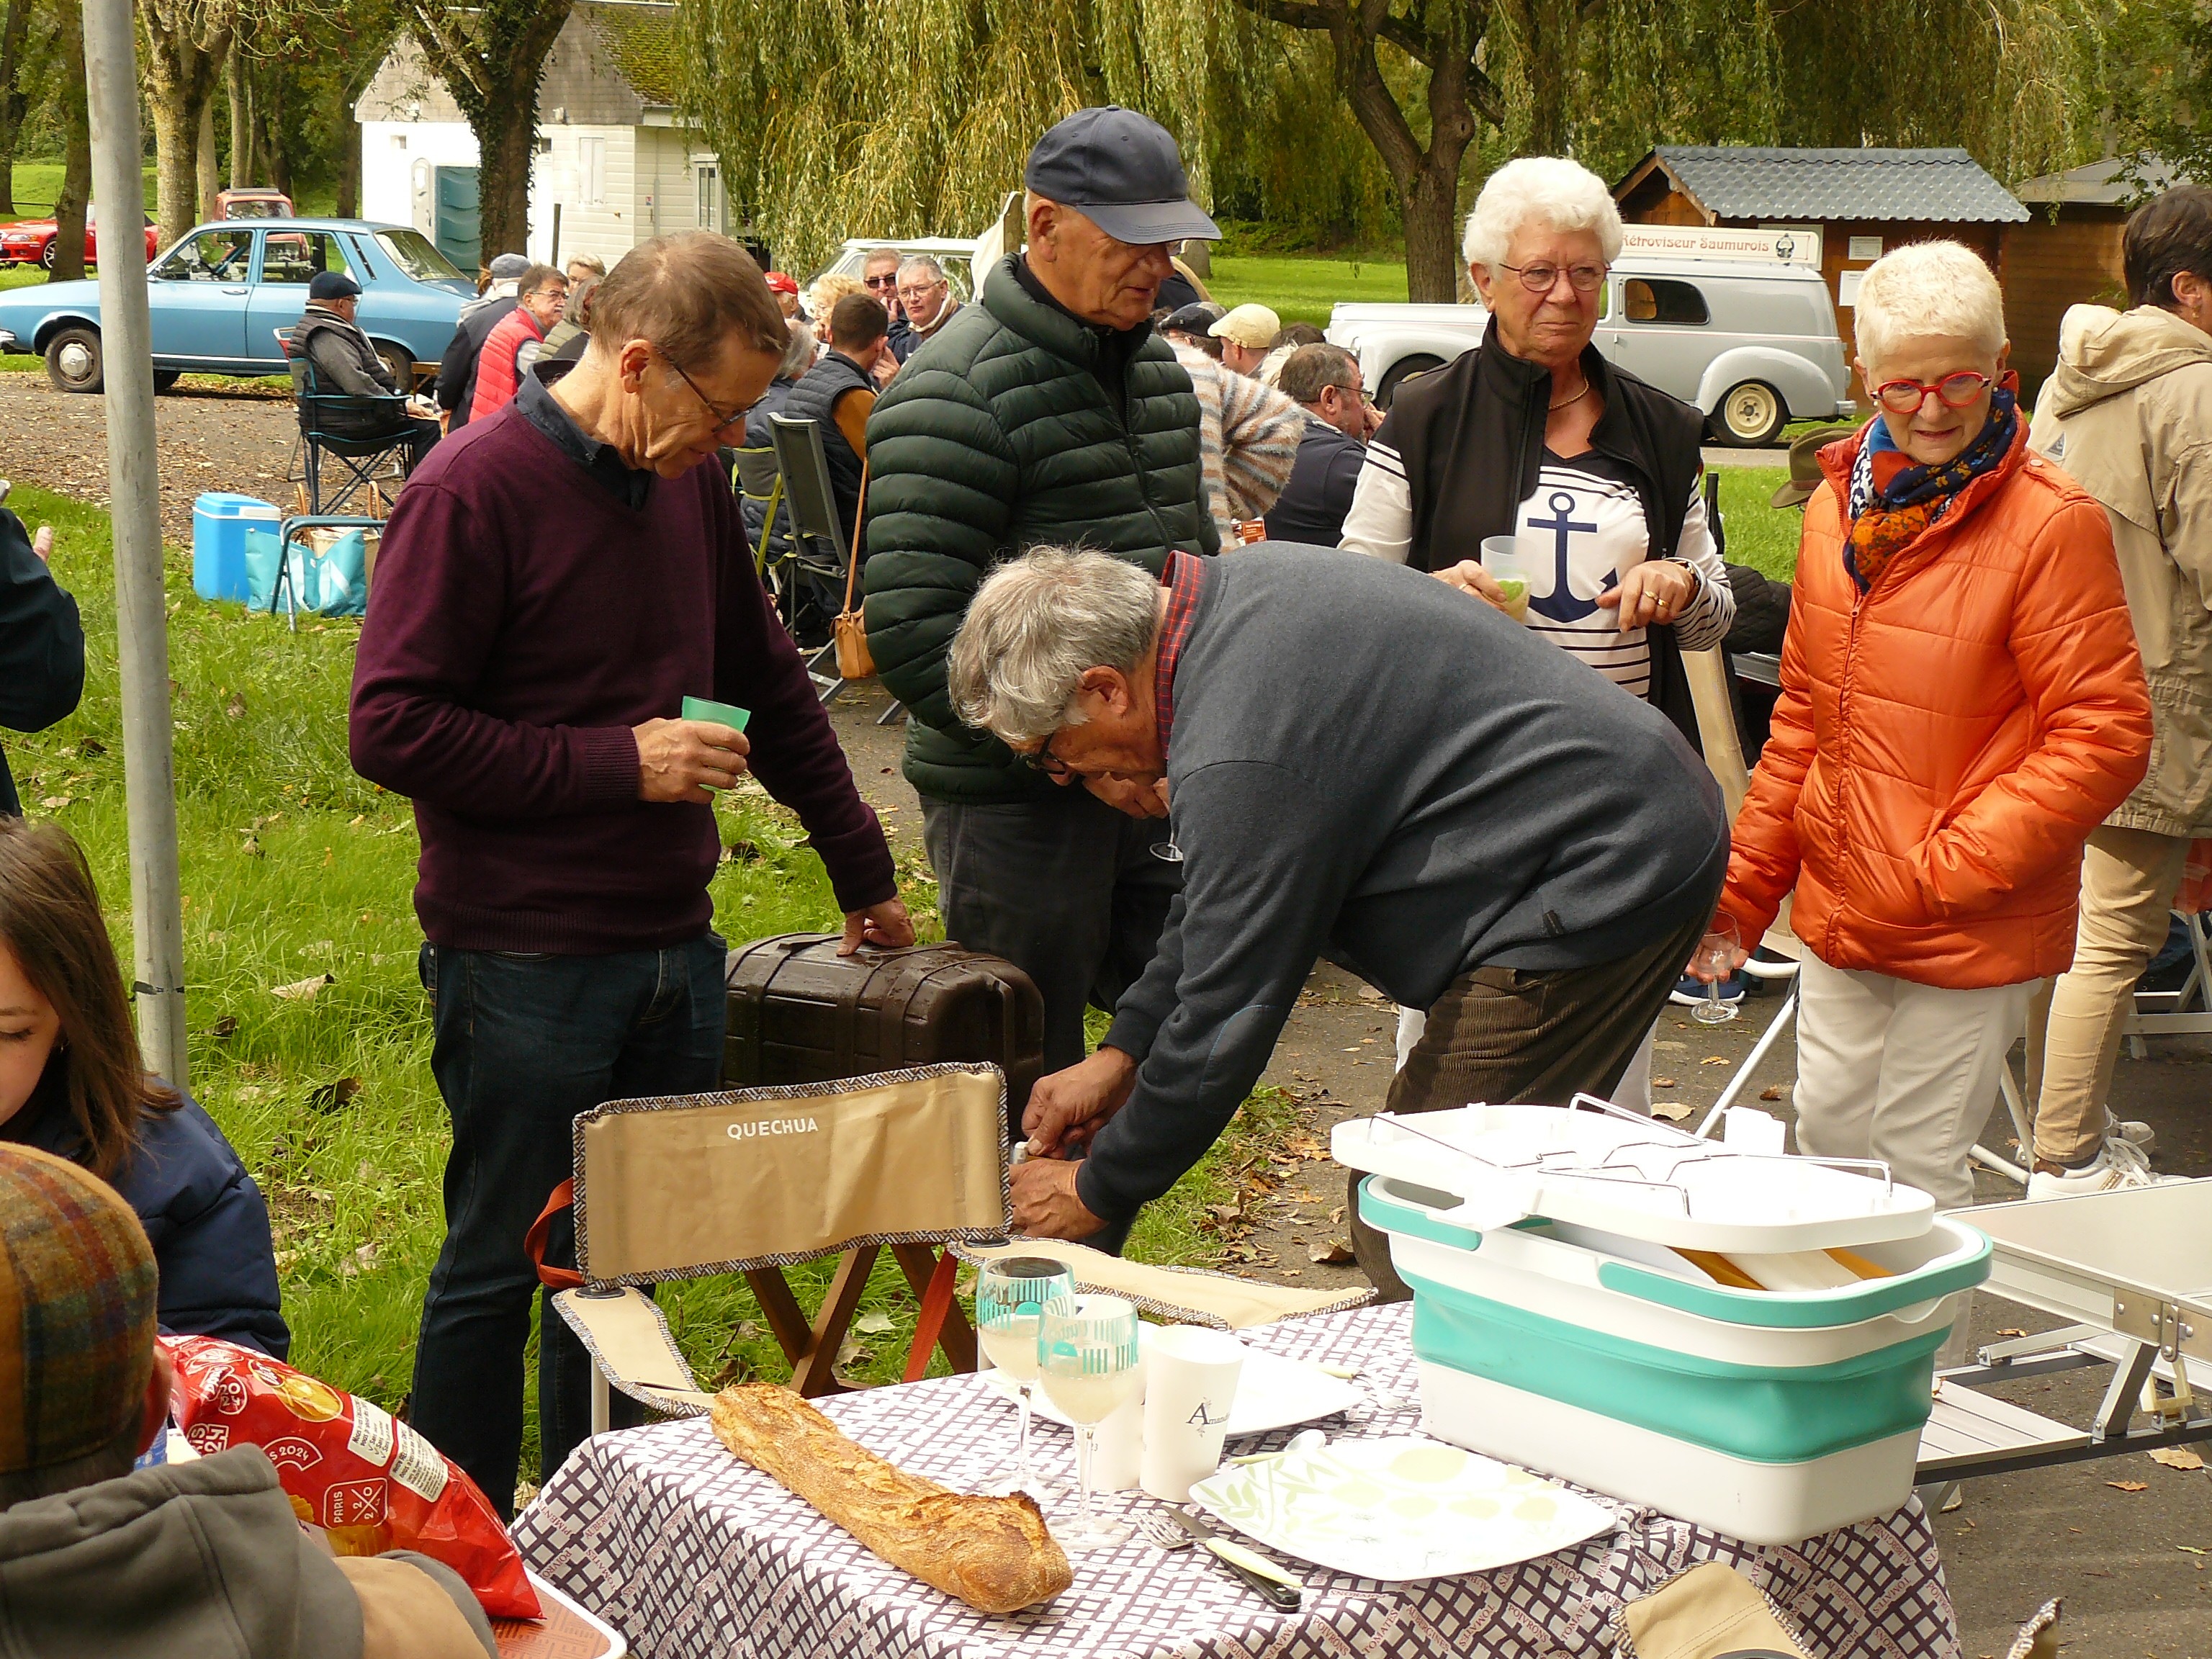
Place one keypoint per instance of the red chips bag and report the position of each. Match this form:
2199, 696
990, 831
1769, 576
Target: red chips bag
367, 1480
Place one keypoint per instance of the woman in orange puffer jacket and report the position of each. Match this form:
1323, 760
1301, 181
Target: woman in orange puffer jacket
1962, 703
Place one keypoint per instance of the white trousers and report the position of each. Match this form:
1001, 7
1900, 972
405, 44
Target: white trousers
1900, 1072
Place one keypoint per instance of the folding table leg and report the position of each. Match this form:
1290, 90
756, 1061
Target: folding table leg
2123, 1394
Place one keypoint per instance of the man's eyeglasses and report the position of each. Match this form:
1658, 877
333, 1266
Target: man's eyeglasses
1956, 390
722, 423
1041, 759
881, 281
1540, 279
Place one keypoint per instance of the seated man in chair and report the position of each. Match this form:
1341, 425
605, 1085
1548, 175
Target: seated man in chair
328, 338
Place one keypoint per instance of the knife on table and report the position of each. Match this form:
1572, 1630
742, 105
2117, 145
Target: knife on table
1256, 1570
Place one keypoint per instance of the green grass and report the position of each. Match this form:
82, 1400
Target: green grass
293, 867
1759, 534
1300, 289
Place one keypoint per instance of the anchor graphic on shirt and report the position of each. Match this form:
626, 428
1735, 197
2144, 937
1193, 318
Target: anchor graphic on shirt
1560, 604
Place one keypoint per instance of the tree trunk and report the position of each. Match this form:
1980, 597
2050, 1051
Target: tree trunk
280, 150
503, 182
241, 122
12, 104
184, 58
348, 147
77, 147
208, 172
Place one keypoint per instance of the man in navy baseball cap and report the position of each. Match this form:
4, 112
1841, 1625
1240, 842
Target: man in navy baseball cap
1108, 197
327, 341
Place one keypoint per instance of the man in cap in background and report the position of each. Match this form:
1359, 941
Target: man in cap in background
785, 287
1048, 411
328, 340
456, 369
1193, 325
1246, 334
98, 1561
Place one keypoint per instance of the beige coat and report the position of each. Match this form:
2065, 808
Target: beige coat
2129, 413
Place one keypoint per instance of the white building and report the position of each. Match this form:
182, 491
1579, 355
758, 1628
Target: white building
613, 167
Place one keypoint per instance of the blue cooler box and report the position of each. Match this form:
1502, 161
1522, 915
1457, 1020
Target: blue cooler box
221, 524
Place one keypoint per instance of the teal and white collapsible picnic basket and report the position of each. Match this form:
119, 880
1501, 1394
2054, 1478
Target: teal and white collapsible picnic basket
1556, 1327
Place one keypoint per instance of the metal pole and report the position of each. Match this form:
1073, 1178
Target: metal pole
110, 73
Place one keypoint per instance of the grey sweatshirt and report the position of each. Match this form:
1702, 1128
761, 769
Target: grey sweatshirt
1369, 765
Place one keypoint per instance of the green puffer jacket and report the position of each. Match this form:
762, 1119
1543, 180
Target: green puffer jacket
998, 435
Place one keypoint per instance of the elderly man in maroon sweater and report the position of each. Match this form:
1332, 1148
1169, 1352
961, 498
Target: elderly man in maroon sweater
552, 585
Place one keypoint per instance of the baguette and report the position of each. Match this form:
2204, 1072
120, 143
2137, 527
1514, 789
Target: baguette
994, 1553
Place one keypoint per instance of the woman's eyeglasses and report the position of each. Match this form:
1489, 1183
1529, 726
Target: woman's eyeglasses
1540, 279
1953, 391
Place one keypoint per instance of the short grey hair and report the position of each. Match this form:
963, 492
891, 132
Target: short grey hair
923, 262
1927, 288
1547, 190
1037, 625
799, 356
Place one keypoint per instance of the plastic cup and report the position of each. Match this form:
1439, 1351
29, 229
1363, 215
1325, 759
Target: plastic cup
1190, 1382
1512, 569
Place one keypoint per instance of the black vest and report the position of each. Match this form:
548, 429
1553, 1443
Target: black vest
814, 399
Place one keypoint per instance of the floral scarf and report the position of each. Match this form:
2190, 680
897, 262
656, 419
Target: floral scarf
1893, 501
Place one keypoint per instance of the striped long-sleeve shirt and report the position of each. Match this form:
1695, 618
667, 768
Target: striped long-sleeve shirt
1584, 526
1248, 436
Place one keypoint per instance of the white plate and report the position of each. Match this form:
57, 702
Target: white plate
1271, 1393
1399, 1509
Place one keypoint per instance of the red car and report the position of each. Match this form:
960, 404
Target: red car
31, 242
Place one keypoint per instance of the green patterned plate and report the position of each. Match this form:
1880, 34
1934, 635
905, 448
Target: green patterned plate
1399, 1509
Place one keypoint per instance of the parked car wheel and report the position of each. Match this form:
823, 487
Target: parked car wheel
74, 361
1400, 372
1752, 415
47, 253
166, 378
402, 367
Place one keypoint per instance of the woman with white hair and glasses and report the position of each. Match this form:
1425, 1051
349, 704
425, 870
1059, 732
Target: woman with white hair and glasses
1535, 436
1962, 703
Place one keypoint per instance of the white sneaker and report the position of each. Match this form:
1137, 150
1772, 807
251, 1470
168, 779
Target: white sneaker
2134, 1130
2119, 1165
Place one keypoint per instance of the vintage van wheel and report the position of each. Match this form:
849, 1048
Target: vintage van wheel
1400, 372
402, 367
74, 361
1752, 415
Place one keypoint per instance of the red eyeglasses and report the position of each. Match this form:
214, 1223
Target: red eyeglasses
1956, 390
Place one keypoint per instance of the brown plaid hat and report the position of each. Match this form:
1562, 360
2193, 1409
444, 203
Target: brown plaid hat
76, 1312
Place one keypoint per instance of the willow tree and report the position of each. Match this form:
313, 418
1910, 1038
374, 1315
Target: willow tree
880, 118
491, 55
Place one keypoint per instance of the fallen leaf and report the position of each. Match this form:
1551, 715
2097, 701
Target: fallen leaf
2129, 1485
55, 802
1662, 1083
1772, 1091
1670, 1045
1331, 1253
226, 1026
251, 847
2010, 1331
873, 1324
2177, 1457
236, 706
1336, 1214
1368, 992
1714, 1060
360, 1261
2191, 1549
1672, 1111
329, 1096
303, 990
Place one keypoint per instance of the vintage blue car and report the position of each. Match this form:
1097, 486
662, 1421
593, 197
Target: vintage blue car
221, 296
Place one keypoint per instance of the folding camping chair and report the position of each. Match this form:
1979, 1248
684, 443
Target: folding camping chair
818, 537
753, 1181
760, 481
364, 464
2164, 1013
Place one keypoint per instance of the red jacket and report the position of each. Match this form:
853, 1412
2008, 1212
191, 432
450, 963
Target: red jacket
1945, 744
496, 379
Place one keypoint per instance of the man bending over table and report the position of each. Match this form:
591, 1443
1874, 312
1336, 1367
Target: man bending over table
1434, 798
557, 579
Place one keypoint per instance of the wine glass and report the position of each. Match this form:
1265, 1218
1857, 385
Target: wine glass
1011, 1297
1087, 1349
1714, 961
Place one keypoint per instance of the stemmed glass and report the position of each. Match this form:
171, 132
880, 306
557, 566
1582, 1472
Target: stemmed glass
1011, 1295
1088, 1348
1714, 961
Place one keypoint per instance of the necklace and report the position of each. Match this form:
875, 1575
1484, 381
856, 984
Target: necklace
1578, 398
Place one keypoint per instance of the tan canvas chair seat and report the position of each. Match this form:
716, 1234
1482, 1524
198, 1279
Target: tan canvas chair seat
752, 1180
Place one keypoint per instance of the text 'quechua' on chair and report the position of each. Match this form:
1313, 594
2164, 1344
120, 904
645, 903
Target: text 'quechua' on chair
367, 437
753, 1180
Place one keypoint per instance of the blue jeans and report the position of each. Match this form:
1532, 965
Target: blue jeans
523, 1044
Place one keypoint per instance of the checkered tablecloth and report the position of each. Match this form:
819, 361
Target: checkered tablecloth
693, 1554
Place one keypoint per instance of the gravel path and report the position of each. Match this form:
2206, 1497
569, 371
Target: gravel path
211, 434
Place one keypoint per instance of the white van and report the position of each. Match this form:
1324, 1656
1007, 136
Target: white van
1755, 345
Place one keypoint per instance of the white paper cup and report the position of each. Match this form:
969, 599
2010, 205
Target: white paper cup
1117, 1455
1190, 1382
